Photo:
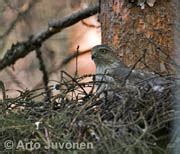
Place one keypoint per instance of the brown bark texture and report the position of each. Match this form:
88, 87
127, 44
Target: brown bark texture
134, 31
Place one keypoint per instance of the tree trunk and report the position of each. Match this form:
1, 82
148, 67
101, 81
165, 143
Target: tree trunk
134, 31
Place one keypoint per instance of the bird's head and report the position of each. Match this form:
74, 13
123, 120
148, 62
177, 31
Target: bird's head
103, 55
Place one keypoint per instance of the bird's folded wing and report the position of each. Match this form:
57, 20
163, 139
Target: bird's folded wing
122, 74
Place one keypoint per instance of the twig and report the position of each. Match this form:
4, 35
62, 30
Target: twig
134, 66
2, 88
74, 80
21, 49
159, 48
44, 72
19, 17
64, 62
89, 25
77, 51
71, 57
14, 79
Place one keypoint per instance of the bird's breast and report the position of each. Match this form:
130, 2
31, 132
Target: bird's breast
104, 74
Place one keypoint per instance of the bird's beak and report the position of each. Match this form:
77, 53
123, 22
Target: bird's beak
93, 56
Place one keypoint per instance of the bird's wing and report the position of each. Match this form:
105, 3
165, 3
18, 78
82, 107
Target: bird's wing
125, 73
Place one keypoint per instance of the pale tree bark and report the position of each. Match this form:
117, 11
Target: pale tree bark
133, 30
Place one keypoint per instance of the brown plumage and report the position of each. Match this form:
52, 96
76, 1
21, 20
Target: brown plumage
110, 71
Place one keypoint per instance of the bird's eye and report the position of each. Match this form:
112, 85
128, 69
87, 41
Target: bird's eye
103, 51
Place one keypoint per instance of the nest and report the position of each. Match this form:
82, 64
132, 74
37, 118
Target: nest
129, 119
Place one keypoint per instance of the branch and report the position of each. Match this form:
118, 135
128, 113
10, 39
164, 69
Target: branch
44, 72
69, 58
21, 49
21, 14
62, 64
89, 25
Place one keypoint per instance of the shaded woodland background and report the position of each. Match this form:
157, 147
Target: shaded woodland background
22, 18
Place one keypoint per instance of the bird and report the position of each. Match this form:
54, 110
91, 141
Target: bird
112, 72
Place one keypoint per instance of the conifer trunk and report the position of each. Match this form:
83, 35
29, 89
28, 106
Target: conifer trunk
133, 31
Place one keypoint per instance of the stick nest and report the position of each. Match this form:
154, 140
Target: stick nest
130, 119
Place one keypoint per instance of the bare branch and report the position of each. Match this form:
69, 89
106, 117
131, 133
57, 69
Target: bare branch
42, 68
21, 14
71, 57
21, 49
89, 25
62, 64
